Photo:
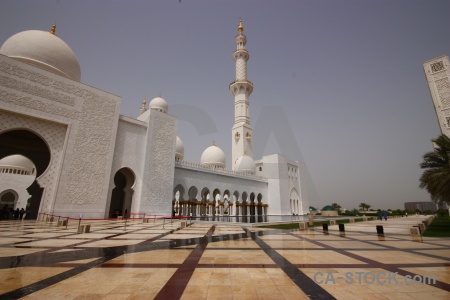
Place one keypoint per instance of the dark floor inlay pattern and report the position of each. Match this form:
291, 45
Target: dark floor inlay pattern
306, 284
176, 285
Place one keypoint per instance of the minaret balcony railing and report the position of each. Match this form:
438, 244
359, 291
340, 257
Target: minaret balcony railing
242, 81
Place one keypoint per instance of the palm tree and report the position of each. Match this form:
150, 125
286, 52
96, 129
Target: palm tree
365, 206
436, 177
336, 206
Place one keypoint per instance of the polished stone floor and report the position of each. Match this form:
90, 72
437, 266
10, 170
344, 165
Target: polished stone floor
161, 260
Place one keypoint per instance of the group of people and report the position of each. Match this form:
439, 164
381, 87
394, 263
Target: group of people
382, 215
8, 213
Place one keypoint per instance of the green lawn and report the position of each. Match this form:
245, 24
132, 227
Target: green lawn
282, 226
440, 227
295, 225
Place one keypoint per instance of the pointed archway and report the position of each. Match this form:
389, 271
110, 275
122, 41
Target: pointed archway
122, 193
29, 144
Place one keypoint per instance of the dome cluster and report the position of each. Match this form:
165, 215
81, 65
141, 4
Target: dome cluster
45, 50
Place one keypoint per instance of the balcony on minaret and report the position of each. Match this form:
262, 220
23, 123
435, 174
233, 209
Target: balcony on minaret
242, 81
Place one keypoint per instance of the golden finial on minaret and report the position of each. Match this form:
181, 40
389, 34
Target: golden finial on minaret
240, 27
144, 102
53, 30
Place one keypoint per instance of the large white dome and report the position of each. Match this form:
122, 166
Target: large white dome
160, 104
44, 50
179, 149
17, 162
246, 164
213, 156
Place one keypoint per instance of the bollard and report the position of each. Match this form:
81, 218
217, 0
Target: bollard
380, 229
341, 227
303, 225
325, 227
311, 220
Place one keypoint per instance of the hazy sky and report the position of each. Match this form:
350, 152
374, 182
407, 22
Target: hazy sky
343, 80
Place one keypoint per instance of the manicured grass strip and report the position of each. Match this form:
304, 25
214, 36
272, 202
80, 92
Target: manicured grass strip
291, 226
281, 226
440, 227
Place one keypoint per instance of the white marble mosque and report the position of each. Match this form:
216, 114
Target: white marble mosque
65, 149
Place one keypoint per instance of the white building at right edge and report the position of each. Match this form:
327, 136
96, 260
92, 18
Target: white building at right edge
438, 76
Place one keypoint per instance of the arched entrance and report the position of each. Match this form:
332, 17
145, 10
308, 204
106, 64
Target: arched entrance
122, 193
192, 194
32, 146
244, 203
252, 204
205, 194
260, 207
178, 199
7, 200
294, 202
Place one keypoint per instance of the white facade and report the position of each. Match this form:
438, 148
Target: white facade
90, 160
438, 76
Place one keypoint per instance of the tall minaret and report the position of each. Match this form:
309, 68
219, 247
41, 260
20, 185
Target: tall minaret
241, 89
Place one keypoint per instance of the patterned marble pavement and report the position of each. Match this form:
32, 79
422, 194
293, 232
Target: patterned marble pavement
153, 260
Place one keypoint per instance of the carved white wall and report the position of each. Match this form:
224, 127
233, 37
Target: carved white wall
159, 164
129, 152
91, 117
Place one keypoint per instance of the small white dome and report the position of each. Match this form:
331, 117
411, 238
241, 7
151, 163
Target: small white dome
160, 104
213, 156
246, 164
179, 149
44, 50
18, 162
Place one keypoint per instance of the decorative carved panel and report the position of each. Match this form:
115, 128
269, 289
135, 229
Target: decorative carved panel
443, 89
437, 66
160, 166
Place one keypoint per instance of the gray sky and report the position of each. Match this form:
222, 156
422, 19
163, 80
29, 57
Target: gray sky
346, 77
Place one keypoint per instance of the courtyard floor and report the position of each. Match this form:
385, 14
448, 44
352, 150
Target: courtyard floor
153, 260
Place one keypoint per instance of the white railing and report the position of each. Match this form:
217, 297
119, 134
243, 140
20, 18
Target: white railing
199, 166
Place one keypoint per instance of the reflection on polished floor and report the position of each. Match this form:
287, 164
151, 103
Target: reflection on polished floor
162, 260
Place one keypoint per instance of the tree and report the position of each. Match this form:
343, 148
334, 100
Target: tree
365, 206
336, 206
436, 177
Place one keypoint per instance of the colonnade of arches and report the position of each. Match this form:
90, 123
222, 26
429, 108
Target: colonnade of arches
205, 202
